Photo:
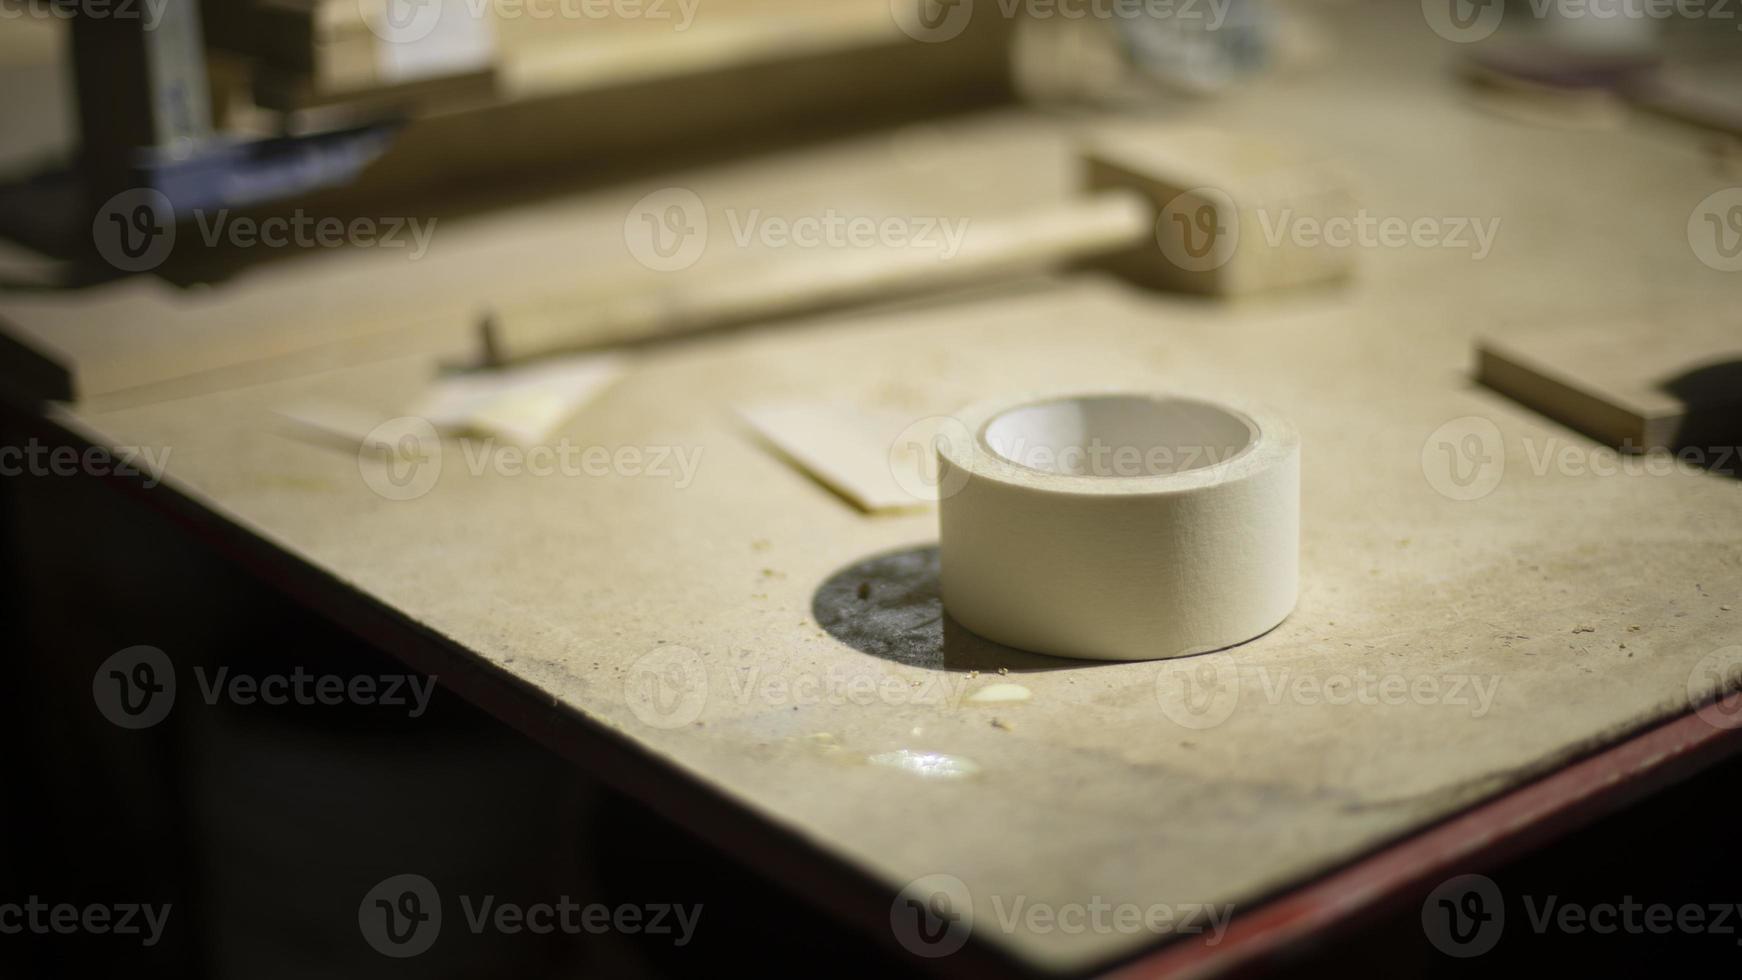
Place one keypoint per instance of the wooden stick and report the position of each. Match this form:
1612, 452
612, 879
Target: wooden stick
817, 280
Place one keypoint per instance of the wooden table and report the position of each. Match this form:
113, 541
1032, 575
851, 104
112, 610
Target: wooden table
1554, 616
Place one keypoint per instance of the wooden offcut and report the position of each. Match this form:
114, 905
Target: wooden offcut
1221, 197
1635, 385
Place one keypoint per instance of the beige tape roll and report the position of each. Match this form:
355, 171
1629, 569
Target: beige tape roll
1119, 526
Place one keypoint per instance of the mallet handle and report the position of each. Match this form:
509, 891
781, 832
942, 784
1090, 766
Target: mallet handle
824, 278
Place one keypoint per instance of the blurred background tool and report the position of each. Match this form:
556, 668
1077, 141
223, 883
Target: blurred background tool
1173, 210
146, 121
294, 130
243, 103
1584, 67
1128, 55
343, 104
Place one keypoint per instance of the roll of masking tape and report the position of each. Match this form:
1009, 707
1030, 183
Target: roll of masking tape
1119, 526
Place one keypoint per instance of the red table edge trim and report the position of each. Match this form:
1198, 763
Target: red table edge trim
1481, 837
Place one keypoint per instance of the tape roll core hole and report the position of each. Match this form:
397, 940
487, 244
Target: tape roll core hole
1118, 435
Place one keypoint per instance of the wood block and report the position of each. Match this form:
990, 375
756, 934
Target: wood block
1634, 385
1226, 207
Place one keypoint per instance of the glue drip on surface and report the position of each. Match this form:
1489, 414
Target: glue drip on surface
927, 765
997, 693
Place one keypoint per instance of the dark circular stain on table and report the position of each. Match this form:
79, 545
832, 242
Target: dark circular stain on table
890, 606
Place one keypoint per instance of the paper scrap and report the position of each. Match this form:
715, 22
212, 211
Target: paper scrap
349, 426
360, 430
523, 404
859, 453
998, 693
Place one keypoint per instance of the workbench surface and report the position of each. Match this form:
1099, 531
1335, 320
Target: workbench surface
1558, 612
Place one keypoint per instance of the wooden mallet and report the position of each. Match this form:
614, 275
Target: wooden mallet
1178, 210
